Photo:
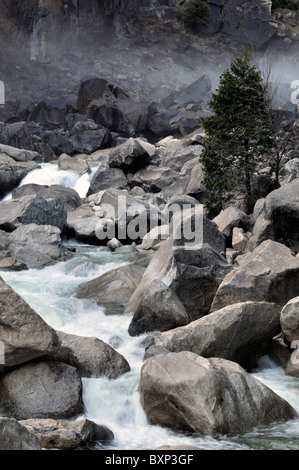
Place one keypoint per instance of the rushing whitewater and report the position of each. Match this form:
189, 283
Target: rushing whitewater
116, 403
49, 174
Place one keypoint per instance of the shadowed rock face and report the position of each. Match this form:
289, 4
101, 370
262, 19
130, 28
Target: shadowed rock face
14, 436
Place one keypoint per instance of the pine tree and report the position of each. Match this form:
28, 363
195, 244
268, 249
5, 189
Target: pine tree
238, 133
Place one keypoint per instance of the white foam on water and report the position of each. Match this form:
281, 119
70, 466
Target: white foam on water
116, 403
48, 174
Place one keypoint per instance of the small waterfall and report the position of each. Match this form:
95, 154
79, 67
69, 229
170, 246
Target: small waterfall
116, 403
49, 174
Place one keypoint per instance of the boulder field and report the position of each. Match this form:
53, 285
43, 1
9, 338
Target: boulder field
210, 294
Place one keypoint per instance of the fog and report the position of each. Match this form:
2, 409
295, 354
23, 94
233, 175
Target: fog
49, 61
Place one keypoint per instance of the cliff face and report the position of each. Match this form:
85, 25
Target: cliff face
50, 45
38, 29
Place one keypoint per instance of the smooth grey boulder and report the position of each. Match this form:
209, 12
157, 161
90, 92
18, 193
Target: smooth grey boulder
67, 435
68, 196
159, 309
154, 237
35, 246
32, 210
15, 436
113, 289
114, 244
238, 332
186, 392
25, 334
193, 274
76, 164
48, 389
269, 274
289, 320
90, 356
279, 218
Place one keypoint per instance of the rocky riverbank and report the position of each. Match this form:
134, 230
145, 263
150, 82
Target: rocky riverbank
232, 297
210, 306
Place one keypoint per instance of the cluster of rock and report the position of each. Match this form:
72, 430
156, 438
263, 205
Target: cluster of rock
210, 305
41, 379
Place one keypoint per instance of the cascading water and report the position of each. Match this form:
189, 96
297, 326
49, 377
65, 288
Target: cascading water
49, 174
115, 403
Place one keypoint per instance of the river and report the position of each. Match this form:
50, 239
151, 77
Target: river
115, 403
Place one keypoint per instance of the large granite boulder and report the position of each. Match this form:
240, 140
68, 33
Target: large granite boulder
32, 210
186, 392
35, 245
12, 173
113, 289
90, 356
68, 196
269, 274
130, 156
289, 320
106, 178
238, 332
191, 272
24, 333
46, 389
279, 218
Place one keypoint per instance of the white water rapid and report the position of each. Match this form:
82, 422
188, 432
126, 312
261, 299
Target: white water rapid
115, 403
49, 174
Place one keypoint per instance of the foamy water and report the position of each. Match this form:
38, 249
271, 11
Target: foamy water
116, 403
